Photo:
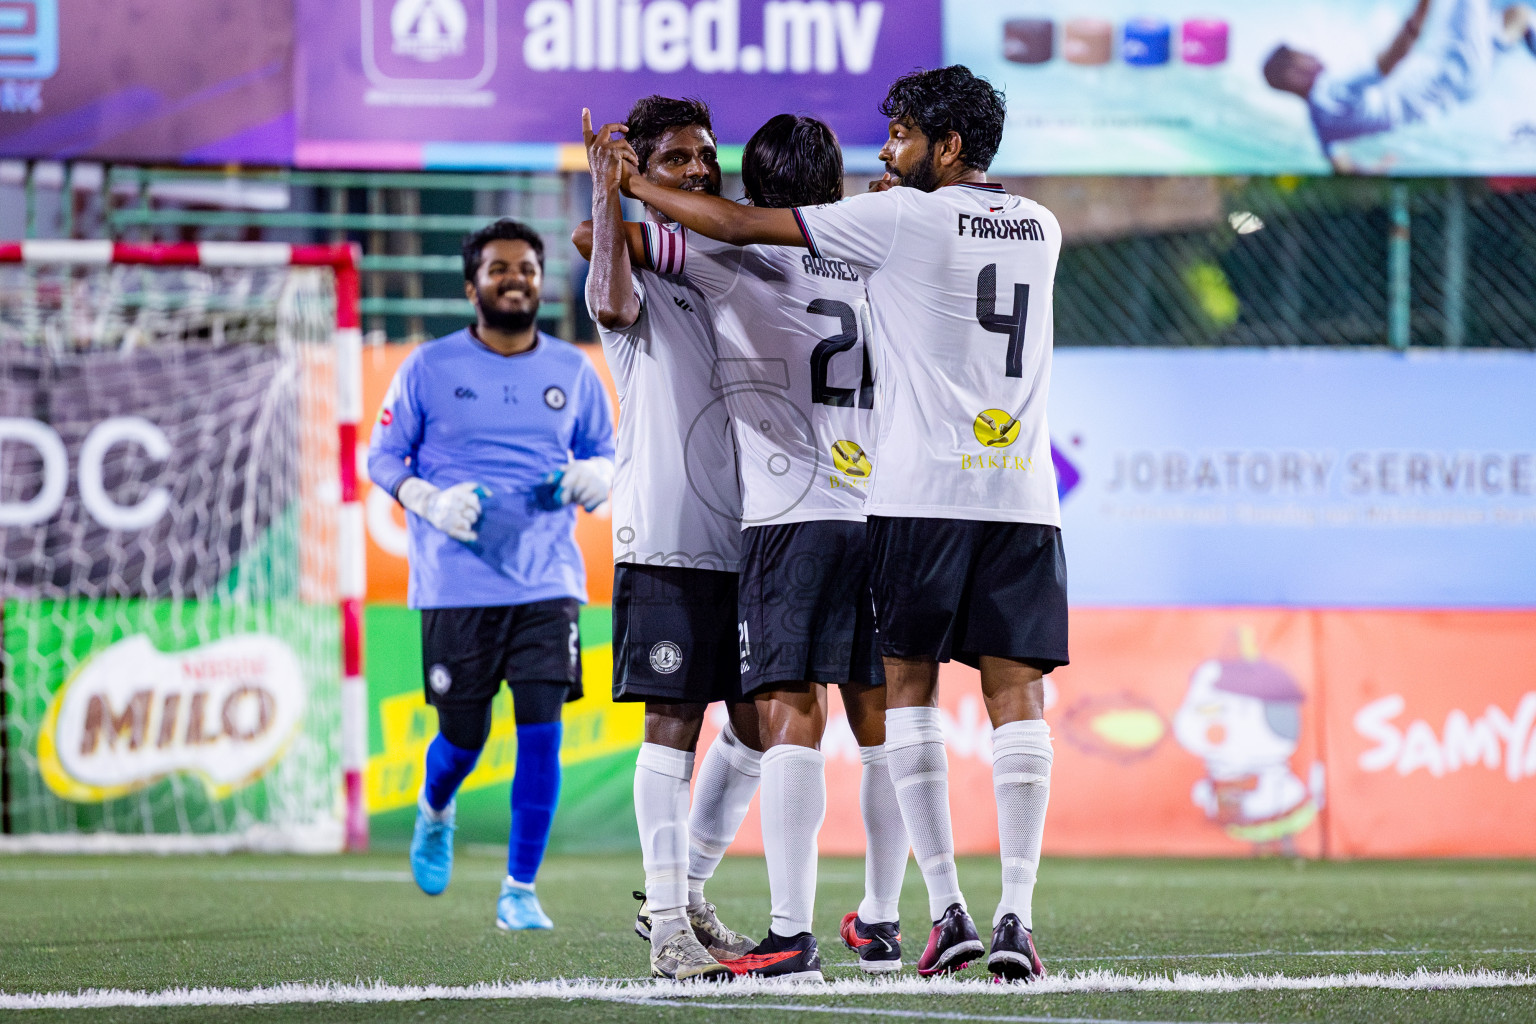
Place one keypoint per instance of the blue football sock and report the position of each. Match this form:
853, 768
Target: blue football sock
535, 792
446, 767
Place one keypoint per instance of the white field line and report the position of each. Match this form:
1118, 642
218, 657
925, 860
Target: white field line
631, 991
870, 1011
98, 874
1249, 954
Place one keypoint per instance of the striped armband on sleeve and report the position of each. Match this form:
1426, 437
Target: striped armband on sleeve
665, 248
805, 233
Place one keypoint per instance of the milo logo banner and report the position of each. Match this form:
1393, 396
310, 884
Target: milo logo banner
222, 712
170, 632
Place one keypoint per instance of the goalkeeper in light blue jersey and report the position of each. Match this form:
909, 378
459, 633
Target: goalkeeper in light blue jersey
489, 437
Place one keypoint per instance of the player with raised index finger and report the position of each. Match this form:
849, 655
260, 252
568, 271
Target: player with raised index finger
677, 543
964, 518
798, 379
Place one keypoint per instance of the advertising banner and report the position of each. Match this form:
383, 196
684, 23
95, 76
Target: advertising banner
1188, 733
170, 634
475, 83
1234, 732
1312, 479
1432, 733
147, 80
1236, 87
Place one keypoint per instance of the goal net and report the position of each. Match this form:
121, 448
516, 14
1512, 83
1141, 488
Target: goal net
180, 547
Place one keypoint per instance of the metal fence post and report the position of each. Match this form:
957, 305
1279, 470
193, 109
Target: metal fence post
1399, 249
1455, 263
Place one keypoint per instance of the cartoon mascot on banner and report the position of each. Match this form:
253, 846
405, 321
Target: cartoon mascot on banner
1242, 717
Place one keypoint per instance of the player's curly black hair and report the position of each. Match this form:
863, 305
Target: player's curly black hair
792, 160
943, 100
507, 230
652, 117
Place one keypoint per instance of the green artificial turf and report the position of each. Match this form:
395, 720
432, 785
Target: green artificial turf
68, 923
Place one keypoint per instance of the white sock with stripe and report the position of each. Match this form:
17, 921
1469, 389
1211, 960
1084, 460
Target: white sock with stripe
661, 812
914, 750
1021, 781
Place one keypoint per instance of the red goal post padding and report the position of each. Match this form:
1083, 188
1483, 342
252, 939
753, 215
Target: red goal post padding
351, 557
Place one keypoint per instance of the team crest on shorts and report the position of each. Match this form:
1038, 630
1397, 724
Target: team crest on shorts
439, 679
666, 657
554, 398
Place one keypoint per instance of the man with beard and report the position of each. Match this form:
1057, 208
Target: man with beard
800, 390
489, 436
677, 548
964, 520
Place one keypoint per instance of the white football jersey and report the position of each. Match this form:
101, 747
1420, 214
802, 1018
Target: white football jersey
795, 368
676, 499
960, 283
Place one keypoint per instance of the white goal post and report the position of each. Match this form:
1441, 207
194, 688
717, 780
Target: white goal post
178, 508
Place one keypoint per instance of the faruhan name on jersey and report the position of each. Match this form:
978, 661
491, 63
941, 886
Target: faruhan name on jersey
1022, 229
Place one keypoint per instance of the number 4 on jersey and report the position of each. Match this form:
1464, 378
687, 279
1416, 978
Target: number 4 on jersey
1012, 325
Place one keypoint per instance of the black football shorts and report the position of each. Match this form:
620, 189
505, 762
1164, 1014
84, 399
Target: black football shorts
958, 588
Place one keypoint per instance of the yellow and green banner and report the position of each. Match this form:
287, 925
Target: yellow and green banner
598, 753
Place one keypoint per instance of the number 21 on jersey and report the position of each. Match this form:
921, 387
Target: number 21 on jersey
823, 393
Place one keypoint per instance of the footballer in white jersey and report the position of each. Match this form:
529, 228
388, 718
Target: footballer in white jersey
967, 555
797, 375
676, 541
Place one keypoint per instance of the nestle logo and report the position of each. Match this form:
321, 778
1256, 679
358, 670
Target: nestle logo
797, 36
465, 393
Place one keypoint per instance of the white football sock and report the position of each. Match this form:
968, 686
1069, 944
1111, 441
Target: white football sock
794, 805
728, 777
1021, 780
914, 751
661, 811
885, 839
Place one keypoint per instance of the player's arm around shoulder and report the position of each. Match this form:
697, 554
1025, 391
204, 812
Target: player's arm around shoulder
718, 218
634, 239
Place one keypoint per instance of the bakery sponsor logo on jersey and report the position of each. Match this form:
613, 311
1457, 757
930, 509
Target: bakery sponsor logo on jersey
1019, 229
835, 270
666, 657
554, 398
439, 679
667, 36
996, 428
131, 715
850, 460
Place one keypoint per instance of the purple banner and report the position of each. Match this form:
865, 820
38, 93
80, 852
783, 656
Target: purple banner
384, 77
147, 80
